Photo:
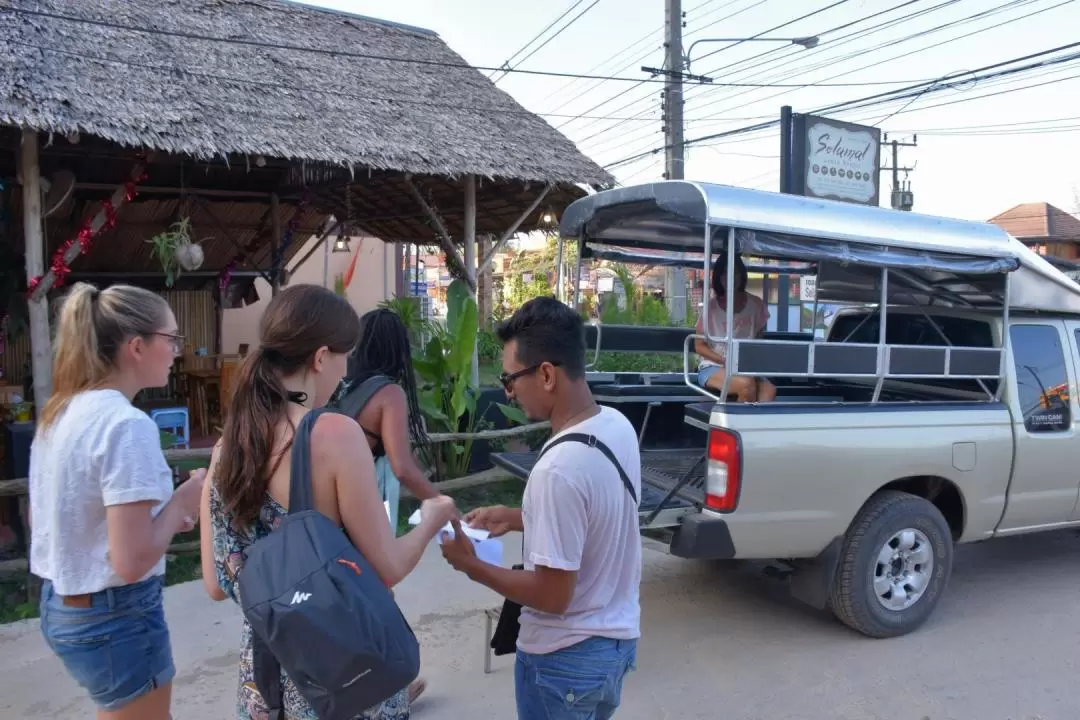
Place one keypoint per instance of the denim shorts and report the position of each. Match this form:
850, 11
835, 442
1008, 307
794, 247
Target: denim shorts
707, 371
116, 645
582, 681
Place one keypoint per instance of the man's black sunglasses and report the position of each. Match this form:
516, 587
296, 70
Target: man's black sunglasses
507, 379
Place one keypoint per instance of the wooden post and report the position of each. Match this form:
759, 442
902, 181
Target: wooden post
470, 259
275, 243
40, 339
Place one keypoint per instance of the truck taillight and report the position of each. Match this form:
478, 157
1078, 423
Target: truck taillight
723, 471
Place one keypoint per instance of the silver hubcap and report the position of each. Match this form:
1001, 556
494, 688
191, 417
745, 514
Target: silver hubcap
903, 569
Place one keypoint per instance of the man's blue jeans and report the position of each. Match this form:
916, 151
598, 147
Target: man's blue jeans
583, 681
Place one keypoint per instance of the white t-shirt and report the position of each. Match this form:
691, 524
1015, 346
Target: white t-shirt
579, 516
749, 322
100, 451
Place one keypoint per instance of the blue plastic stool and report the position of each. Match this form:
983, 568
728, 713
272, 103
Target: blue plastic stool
176, 421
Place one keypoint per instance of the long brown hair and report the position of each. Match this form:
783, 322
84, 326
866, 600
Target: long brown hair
297, 322
93, 325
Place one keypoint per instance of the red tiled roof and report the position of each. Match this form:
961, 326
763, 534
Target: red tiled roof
1038, 221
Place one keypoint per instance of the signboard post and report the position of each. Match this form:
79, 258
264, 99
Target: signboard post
835, 160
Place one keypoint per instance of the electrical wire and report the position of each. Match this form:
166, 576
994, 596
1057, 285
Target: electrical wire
541, 46
800, 53
343, 53
918, 50
879, 98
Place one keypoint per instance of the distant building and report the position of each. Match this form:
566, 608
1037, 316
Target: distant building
1046, 229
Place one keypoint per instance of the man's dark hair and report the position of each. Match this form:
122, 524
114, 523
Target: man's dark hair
547, 330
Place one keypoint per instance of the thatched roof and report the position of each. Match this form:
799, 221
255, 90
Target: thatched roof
207, 98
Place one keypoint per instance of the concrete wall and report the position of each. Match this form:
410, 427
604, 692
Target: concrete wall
372, 282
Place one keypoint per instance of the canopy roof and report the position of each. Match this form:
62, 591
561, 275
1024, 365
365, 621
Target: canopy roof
963, 260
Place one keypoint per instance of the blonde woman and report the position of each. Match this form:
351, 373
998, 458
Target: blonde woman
102, 505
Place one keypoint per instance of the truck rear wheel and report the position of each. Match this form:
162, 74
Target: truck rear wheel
894, 564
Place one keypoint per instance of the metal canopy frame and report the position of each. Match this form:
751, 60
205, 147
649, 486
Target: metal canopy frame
914, 260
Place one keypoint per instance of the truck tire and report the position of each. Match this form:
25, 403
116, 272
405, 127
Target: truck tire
894, 564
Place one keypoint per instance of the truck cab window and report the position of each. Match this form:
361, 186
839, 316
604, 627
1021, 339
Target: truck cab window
1042, 382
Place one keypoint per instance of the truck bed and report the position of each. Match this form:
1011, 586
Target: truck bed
672, 481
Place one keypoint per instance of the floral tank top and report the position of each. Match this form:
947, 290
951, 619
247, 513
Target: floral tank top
230, 541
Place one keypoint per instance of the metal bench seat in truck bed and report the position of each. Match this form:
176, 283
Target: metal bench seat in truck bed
672, 482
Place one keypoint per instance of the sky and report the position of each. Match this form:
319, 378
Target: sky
975, 156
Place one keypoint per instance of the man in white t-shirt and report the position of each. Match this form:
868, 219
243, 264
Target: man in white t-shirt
579, 588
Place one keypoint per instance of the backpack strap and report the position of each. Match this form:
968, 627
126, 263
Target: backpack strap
356, 399
301, 496
593, 441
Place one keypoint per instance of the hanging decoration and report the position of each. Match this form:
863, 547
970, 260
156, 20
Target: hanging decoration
287, 237
103, 220
176, 250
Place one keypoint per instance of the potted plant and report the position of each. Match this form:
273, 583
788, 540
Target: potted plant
176, 251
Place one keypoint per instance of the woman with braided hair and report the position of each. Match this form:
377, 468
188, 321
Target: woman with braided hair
379, 391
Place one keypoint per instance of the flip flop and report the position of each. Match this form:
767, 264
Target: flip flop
416, 689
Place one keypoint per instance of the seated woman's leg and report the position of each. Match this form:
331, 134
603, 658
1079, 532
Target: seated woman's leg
743, 388
766, 391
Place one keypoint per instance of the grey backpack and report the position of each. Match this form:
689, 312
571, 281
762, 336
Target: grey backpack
356, 399
319, 611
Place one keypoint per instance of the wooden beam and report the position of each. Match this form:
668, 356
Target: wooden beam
497, 247
205, 207
40, 338
196, 192
321, 241
275, 244
119, 197
454, 261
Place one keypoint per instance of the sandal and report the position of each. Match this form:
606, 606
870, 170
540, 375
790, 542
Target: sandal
416, 689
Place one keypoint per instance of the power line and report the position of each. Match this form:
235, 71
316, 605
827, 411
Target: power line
642, 82
506, 65
800, 54
832, 62
866, 32
879, 98
363, 56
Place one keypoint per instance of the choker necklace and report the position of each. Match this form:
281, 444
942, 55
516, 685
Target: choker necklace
297, 397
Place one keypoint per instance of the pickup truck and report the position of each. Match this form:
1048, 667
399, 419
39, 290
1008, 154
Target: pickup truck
938, 409
858, 505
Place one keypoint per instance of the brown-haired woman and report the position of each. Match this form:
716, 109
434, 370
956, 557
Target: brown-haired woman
305, 337
102, 505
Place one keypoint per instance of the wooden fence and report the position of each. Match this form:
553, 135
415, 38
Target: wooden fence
20, 488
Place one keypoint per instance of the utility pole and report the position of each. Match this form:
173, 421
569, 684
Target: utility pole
902, 196
674, 278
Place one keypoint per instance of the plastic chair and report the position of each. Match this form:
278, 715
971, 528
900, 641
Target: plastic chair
176, 421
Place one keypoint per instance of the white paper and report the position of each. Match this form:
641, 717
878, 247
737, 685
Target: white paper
488, 549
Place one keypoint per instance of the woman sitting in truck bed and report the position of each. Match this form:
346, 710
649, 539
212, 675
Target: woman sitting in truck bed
751, 316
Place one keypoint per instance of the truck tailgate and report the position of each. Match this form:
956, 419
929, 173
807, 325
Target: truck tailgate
672, 482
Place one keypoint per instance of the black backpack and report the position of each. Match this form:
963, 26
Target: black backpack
354, 401
318, 610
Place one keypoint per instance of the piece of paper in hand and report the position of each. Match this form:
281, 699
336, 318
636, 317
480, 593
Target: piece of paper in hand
488, 549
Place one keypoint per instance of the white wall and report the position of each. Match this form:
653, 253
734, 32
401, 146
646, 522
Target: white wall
372, 282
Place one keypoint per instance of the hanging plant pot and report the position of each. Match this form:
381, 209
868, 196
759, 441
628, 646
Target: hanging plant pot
176, 251
189, 256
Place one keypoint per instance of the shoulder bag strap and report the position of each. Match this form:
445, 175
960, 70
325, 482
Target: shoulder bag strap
301, 496
593, 441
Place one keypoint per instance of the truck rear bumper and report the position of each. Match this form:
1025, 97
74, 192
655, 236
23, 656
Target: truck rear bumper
703, 536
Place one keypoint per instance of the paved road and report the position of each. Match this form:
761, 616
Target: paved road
1003, 645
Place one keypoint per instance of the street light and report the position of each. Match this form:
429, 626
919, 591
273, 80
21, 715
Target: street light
805, 42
